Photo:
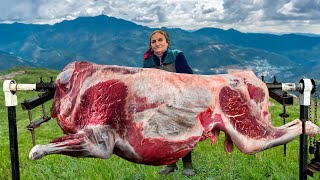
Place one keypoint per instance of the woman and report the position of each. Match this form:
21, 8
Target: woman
159, 56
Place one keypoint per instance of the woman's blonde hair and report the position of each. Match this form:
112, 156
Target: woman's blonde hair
165, 34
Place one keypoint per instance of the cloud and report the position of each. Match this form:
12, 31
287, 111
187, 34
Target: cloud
16, 10
300, 10
245, 15
70, 9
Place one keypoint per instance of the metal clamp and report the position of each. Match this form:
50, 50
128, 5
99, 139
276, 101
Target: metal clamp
305, 93
10, 95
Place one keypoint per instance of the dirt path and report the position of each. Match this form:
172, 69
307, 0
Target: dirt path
10, 75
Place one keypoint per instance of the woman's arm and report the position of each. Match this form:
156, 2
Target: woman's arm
182, 65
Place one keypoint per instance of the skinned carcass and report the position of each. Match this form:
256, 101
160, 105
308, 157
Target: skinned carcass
155, 117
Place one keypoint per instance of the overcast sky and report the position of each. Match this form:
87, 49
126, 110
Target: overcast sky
272, 16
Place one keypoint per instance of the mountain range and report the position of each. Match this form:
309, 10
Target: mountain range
108, 40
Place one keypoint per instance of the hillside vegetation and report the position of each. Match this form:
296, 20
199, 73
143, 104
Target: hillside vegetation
210, 161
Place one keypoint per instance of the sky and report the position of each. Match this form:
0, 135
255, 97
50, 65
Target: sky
261, 16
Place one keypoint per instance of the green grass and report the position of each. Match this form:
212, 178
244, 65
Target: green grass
210, 161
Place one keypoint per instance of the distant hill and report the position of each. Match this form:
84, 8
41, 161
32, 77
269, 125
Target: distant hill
7, 60
108, 40
308, 34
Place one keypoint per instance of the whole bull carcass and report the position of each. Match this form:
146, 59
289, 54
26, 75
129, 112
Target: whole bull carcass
154, 117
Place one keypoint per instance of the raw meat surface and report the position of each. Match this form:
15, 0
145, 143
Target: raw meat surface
155, 117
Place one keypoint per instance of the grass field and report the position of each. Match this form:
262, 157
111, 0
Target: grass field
210, 161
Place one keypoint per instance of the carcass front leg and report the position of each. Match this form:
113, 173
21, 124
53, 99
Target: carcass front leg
94, 141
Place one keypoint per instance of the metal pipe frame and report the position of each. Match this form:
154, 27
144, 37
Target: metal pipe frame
10, 88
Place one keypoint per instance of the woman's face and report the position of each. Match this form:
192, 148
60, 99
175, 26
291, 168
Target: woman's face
159, 43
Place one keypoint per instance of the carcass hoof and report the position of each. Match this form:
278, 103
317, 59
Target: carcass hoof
36, 153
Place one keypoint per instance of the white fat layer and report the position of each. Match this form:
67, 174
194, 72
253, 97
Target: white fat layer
65, 75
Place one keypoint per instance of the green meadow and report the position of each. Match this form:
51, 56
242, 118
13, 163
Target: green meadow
210, 161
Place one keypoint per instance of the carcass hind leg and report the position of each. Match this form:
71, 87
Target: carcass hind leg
94, 141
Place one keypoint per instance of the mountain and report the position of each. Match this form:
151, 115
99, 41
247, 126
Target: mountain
108, 40
308, 34
7, 60
100, 39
